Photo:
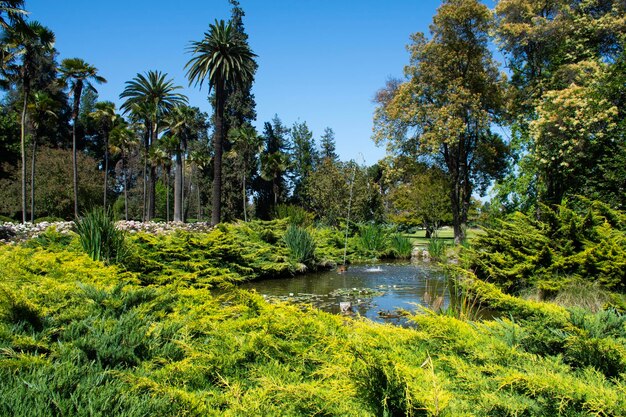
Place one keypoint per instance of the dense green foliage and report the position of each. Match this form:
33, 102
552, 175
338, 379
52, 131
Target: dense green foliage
579, 241
104, 323
443, 111
83, 338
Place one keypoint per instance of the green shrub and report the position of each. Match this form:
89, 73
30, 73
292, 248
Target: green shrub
605, 355
49, 219
5, 219
50, 238
580, 240
99, 237
297, 215
18, 310
401, 246
372, 239
437, 248
300, 244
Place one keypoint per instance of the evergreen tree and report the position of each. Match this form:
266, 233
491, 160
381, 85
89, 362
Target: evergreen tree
77, 75
271, 186
327, 144
239, 111
20, 49
303, 159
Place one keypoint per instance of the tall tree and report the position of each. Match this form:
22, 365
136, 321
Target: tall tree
20, 51
245, 150
239, 111
446, 106
122, 141
151, 96
327, 143
12, 14
560, 54
105, 118
184, 124
40, 108
271, 186
226, 61
303, 158
78, 75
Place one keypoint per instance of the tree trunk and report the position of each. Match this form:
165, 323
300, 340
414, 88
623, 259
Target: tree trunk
152, 204
32, 181
124, 169
75, 166
23, 151
106, 167
218, 140
199, 200
152, 193
187, 200
178, 187
167, 195
78, 89
245, 213
146, 146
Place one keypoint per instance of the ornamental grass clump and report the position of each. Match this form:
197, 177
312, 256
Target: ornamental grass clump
437, 248
99, 237
372, 239
300, 244
401, 246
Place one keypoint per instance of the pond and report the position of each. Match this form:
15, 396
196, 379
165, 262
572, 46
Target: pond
377, 292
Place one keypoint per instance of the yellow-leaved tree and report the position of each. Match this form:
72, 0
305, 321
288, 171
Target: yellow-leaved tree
443, 111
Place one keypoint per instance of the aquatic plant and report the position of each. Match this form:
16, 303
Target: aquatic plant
463, 305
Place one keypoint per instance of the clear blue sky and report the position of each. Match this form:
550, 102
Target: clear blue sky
319, 61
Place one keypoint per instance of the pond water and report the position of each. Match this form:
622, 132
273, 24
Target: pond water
373, 291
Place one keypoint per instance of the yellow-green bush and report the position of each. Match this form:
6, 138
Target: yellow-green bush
78, 337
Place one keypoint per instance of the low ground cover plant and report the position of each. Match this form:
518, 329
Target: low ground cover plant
81, 337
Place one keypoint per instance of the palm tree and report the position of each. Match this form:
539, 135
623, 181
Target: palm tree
198, 160
11, 14
105, 117
226, 60
273, 165
78, 75
154, 96
139, 115
183, 126
163, 155
40, 107
20, 49
121, 140
247, 145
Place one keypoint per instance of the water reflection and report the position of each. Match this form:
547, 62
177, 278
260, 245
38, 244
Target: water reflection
373, 291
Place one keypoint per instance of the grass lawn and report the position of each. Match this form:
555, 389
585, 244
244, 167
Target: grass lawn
447, 233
